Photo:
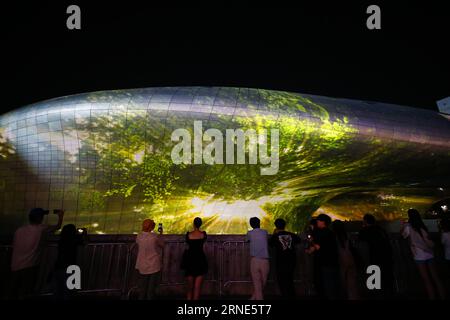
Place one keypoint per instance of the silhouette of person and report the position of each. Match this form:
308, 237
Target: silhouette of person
379, 254
347, 265
285, 258
259, 258
27, 246
326, 267
194, 260
68, 243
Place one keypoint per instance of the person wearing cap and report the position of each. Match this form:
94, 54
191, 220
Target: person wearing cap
26, 251
326, 265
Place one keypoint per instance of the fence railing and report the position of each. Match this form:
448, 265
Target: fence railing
109, 269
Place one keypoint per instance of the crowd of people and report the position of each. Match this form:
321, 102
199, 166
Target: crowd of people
337, 259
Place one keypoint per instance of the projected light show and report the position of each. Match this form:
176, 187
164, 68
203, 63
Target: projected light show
107, 159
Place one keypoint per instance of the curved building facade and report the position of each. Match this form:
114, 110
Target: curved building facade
107, 159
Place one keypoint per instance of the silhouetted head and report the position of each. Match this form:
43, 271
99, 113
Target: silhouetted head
280, 224
255, 222
148, 225
415, 220
198, 223
339, 230
323, 221
68, 232
369, 220
36, 215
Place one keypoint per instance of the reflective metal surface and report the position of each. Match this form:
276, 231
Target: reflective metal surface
105, 158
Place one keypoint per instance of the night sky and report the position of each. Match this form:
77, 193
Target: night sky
317, 48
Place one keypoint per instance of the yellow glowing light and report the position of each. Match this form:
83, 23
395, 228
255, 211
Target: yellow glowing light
225, 210
238, 209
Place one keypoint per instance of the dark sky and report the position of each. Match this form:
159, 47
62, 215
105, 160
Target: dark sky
317, 48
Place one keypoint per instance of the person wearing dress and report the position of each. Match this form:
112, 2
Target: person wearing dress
194, 262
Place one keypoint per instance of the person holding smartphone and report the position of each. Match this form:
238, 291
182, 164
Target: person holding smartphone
324, 247
27, 246
148, 262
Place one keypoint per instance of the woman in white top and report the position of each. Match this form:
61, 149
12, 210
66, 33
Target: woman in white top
423, 252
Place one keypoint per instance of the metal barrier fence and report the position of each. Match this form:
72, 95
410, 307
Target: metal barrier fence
108, 269
171, 275
239, 273
105, 266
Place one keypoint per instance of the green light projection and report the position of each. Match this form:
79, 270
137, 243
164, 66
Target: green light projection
110, 164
